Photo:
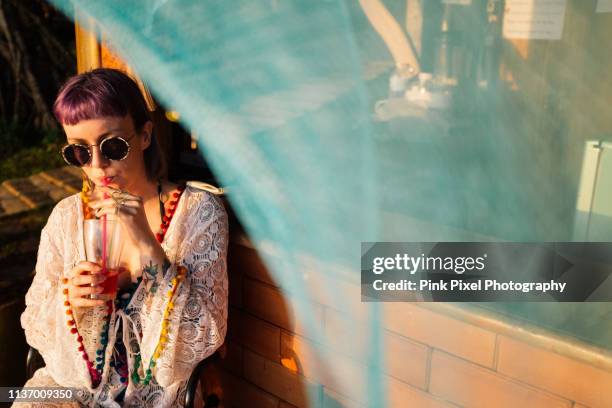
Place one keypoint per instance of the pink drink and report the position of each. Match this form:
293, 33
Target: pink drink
106, 254
110, 284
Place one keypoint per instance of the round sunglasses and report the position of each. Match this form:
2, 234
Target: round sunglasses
112, 148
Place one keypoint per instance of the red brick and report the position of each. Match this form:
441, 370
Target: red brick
279, 381
259, 336
561, 375
341, 374
332, 399
404, 359
235, 288
233, 361
473, 386
239, 393
248, 261
274, 306
442, 332
401, 395
233, 322
328, 289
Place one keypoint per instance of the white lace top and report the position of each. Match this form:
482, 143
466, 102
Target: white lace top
197, 239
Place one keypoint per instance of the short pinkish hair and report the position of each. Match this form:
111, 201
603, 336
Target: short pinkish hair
106, 92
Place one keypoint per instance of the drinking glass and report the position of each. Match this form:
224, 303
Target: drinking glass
103, 245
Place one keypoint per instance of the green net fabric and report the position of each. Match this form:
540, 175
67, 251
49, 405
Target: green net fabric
334, 122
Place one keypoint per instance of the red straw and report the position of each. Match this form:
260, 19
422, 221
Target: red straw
104, 183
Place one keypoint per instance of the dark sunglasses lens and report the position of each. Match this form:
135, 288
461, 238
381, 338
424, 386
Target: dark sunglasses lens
114, 148
76, 155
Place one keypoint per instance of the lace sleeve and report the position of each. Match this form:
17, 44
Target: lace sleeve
44, 317
198, 323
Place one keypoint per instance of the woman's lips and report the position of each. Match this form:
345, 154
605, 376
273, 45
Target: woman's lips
107, 180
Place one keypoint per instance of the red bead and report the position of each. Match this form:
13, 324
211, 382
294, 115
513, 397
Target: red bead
81, 348
80, 339
66, 303
71, 322
84, 356
68, 312
159, 237
73, 330
175, 195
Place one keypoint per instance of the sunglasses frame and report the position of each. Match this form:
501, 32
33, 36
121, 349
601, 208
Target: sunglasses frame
89, 147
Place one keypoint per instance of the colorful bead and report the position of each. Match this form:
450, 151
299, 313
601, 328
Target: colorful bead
163, 339
95, 373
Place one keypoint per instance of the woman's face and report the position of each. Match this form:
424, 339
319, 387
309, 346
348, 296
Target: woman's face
123, 174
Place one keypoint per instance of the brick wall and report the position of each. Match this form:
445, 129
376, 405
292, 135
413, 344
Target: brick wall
432, 359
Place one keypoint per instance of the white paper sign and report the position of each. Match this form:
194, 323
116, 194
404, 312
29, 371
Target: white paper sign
534, 19
604, 6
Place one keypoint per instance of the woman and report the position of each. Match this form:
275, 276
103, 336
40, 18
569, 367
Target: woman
171, 309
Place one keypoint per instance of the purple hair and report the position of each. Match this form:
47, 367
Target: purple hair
99, 93
105, 92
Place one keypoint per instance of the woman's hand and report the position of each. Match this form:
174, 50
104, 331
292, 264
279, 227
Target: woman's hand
85, 281
129, 210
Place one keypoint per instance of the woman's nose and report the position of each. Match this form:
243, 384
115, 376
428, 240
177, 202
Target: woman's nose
97, 158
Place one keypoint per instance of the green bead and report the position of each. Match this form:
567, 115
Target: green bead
148, 372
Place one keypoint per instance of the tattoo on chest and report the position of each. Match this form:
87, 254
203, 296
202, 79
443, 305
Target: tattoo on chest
149, 273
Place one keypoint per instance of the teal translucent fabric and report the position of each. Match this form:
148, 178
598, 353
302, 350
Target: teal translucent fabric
313, 116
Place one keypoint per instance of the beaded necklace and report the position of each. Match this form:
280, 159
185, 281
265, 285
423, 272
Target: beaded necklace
96, 372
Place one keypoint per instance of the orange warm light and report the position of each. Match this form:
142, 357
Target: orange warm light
290, 364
